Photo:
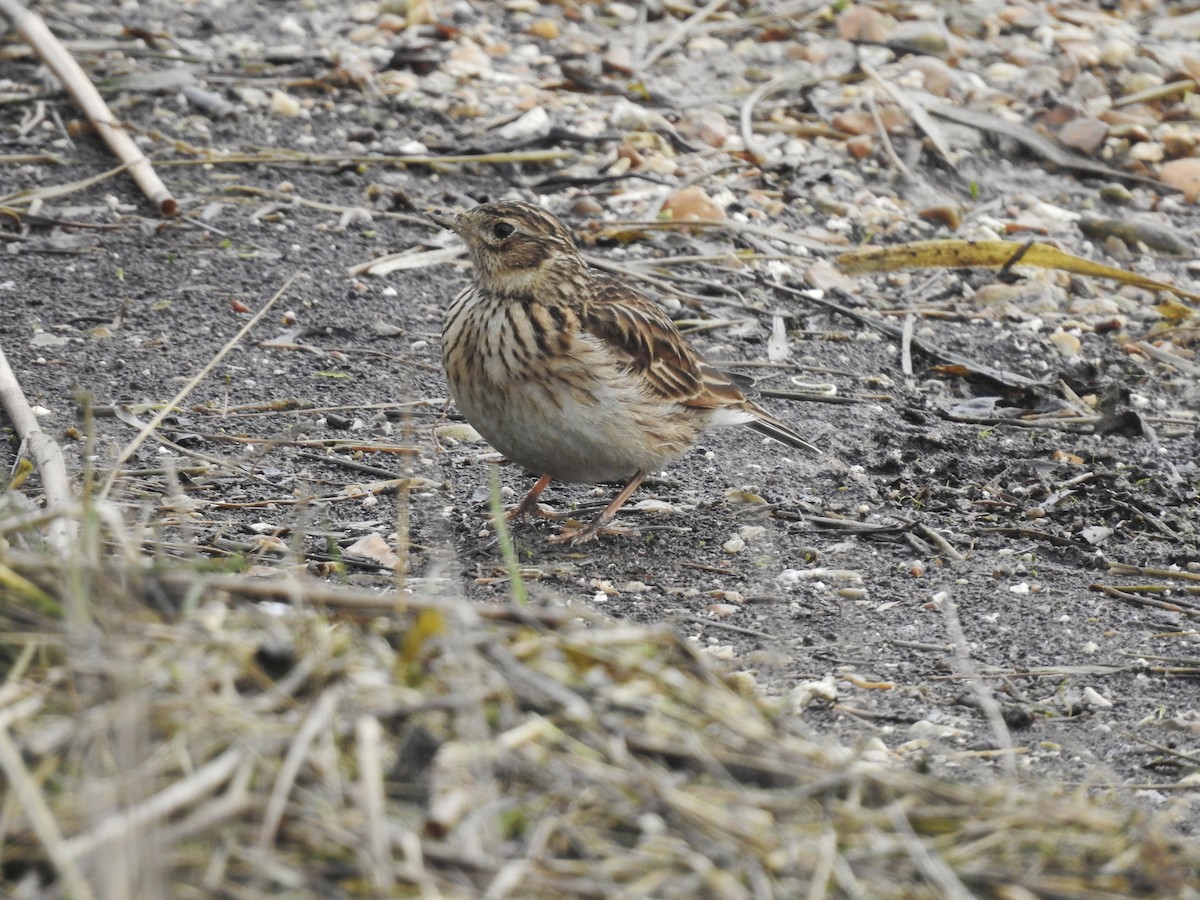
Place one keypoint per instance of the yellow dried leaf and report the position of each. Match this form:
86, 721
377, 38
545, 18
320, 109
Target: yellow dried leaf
1174, 312
991, 254
429, 624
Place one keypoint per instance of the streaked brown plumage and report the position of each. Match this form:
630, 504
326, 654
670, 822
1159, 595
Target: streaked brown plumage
571, 373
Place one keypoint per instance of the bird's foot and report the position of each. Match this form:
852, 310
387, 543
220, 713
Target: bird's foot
599, 525
523, 511
529, 505
584, 533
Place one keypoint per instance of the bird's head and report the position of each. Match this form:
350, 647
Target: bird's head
517, 248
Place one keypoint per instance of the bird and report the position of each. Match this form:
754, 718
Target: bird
573, 374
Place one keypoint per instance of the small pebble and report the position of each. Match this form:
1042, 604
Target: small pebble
1067, 343
860, 146
947, 214
938, 77
1148, 151
587, 206
1116, 193
1184, 175
862, 23
750, 533
1117, 53
1084, 134
804, 695
623, 11
546, 29
926, 37
284, 105
618, 60
1092, 697
459, 433
691, 204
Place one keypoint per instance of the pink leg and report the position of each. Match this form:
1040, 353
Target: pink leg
529, 505
589, 531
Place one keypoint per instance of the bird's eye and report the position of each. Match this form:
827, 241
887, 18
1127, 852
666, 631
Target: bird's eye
501, 230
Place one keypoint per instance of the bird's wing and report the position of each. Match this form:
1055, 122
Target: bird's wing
644, 340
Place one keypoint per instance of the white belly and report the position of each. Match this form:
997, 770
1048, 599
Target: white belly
569, 440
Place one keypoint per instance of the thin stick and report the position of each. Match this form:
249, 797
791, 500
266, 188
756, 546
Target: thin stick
149, 427
51, 51
745, 119
928, 534
906, 336
51, 191
1166, 356
884, 140
317, 720
41, 818
155, 810
45, 453
681, 32
987, 701
915, 111
1120, 568
934, 868
507, 551
368, 737
329, 159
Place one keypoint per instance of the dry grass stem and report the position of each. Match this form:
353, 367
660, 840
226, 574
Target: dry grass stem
434, 746
158, 418
33, 803
46, 454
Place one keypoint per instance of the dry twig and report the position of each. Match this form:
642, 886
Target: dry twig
167, 409
51, 51
44, 452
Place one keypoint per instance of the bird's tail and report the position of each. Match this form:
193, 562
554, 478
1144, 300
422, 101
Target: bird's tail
764, 423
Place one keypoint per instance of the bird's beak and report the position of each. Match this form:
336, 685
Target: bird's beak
442, 217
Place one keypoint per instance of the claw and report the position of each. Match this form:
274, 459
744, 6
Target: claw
541, 510
585, 533
529, 506
576, 536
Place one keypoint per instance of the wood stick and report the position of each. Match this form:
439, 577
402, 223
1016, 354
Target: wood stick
46, 454
51, 51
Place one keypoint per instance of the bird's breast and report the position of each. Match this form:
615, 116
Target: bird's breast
554, 399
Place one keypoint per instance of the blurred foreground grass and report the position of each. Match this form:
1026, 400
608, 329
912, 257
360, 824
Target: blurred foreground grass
171, 732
